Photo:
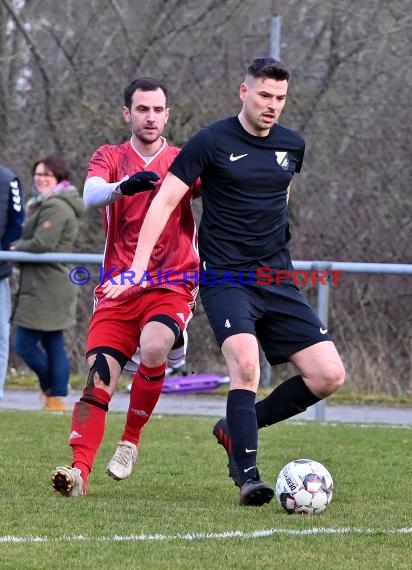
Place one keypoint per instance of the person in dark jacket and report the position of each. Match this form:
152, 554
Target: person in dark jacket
11, 221
46, 302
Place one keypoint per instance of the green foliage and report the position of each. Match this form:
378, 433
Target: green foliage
180, 486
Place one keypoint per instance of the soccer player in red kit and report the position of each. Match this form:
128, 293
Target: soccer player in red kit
124, 178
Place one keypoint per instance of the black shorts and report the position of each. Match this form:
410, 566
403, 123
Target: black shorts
278, 315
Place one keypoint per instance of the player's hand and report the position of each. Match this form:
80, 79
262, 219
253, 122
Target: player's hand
111, 290
115, 286
139, 182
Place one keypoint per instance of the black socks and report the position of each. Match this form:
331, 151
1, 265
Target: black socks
241, 421
245, 417
288, 399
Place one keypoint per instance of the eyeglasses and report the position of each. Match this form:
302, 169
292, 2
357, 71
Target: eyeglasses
44, 175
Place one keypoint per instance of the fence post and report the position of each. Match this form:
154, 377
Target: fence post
275, 31
323, 313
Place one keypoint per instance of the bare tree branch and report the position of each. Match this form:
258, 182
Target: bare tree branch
121, 22
69, 58
42, 67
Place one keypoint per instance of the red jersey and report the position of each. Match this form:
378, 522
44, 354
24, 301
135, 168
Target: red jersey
174, 262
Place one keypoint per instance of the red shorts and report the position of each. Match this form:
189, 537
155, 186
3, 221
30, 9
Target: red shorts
118, 326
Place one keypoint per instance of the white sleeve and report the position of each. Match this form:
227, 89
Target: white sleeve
97, 192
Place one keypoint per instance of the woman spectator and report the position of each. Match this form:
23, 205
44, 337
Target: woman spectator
46, 301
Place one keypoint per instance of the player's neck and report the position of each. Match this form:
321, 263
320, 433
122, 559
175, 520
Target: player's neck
149, 149
249, 128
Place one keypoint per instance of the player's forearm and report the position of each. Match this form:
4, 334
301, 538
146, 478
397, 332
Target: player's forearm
164, 203
97, 192
156, 219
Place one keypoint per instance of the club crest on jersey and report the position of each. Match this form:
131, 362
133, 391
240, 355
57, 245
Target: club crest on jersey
282, 159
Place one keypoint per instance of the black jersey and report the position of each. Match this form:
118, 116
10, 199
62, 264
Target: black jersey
244, 189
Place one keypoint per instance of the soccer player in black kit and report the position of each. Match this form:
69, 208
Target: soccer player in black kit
246, 164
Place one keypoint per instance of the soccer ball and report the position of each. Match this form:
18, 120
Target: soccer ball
304, 487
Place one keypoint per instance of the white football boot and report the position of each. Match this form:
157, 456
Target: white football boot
121, 464
68, 481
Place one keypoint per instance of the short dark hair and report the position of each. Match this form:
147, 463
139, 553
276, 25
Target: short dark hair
268, 67
144, 84
56, 164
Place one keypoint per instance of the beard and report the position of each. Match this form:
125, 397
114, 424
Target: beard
147, 137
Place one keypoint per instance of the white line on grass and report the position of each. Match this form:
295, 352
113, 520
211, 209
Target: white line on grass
206, 535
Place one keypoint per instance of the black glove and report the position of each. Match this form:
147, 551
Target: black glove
139, 182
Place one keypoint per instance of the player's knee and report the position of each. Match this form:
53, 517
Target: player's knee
334, 378
155, 353
99, 373
248, 372
338, 376
327, 380
158, 337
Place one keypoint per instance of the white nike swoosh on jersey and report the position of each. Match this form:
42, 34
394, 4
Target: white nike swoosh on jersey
233, 158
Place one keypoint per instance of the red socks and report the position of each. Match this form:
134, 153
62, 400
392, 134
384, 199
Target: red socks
88, 425
89, 415
146, 388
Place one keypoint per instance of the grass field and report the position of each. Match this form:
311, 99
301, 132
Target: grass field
179, 509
